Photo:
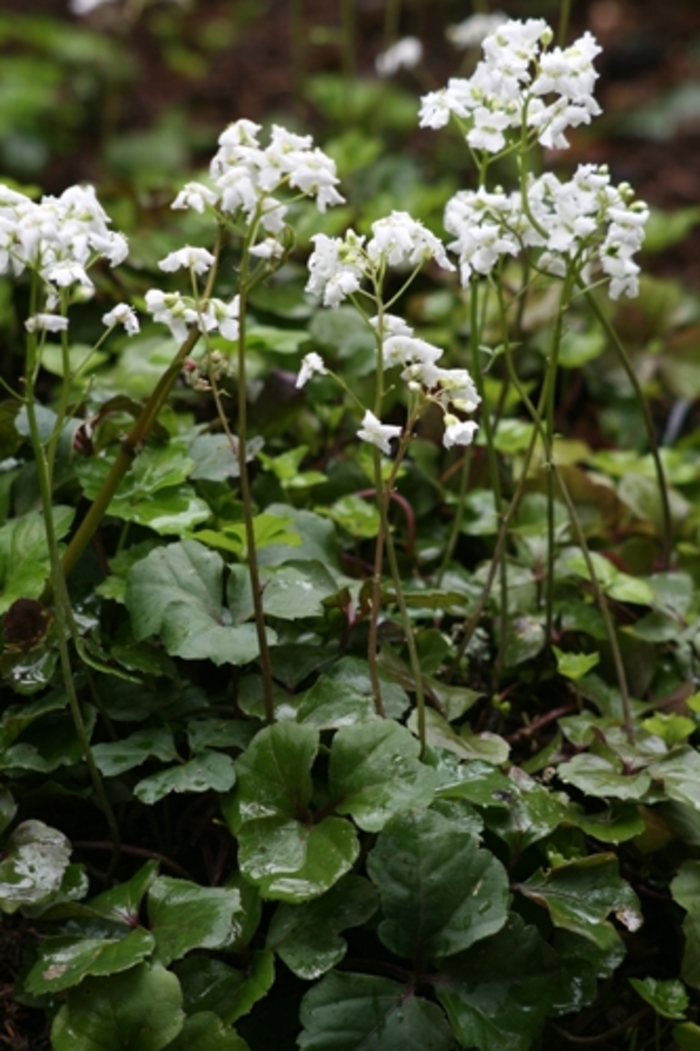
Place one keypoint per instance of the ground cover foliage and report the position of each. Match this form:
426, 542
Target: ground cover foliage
349, 584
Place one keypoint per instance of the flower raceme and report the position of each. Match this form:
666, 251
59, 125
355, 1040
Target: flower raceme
58, 238
585, 222
520, 86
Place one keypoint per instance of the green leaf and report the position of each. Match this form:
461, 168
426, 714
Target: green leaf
281, 850
498, 994
438, 732
360, 1012
176, 591
440, 893
185, 916
524, 639
8, 809
208, 771
122, 904
296, 589
358, 516
685, 889
64, 961
597, 776
687, 1036
680, 773
24, 557
268, 529
214, 459
374, 772
116, 757
329, 705
306, 937
274, 778
669, 999
532, 812
139, 1009
49, 743
205, 1032
616, 824
581, 894
575, 665
257, 980
32, 865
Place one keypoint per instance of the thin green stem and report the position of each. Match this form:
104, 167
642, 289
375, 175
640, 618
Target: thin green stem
536, 417
550, 387
246, 496
564, 15
492, 460
62, 600
392, 16
667, 522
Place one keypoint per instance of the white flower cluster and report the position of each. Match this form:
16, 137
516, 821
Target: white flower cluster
180, 312
246, 177
404, 54
447, 388
338, 266
584, 222
59, 238
520, 83
474, 29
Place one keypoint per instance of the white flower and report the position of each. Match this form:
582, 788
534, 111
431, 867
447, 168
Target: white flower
472, 30
402, 241
311, 365
336, 267
456, 387
122, 314
199, 260
46, 323
407, 351
84, 7
458, 432
171, 309
404, 54
377, 433
195, 195
268, 249
224, 316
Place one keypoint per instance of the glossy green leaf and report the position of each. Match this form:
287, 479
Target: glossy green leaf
24, 558
533, 812
208, 771
583, 963
597, 776
581, 894
64, 961
296, 589
49, 743
306, 937
329, 705
256, 982
176, 593
486, 746
274, 778
139, 1009
524, 639
116, 757
215, 732
281, 850
205, 1032
292, 861
184, 916
122, 904
32, 865
207, 984
498, 994
268, 529
679, 773
685, 889
374, 772
615, 824
440, 893
669, 999
361, 1012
